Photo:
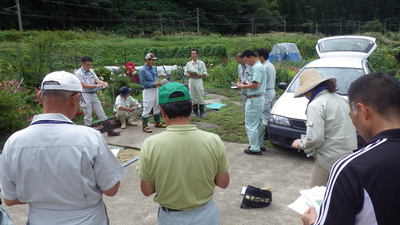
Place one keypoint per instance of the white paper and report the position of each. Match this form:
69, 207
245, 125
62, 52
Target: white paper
312, 197
243, 190
300, 205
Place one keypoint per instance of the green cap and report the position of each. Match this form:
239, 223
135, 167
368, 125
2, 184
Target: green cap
173, 92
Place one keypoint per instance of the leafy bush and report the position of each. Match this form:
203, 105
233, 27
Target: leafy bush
120, 81
16, 107
184, 52
222, 75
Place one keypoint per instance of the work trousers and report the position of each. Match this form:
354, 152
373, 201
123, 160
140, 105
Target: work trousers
92, 103
150, 101
253, 121
269, 97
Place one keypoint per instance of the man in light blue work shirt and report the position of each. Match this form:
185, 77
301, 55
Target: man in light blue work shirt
269, 94
57, 167
254, 103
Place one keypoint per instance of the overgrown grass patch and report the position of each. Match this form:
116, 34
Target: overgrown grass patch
227, 119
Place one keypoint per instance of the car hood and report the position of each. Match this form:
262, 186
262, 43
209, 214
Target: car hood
290, 107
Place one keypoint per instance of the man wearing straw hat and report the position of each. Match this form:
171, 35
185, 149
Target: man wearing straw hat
330, 133
363, 188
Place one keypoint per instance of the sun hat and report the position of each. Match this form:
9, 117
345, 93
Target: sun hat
62, 81
309, 80
150, 56
166, 91
124, 90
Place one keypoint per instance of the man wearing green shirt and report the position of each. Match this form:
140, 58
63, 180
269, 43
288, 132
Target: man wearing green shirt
183, 164
254, 91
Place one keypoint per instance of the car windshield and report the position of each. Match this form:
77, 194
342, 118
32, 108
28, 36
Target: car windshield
344, 77
346, 44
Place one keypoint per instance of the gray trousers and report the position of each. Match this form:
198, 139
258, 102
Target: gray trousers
206, 214
92, 103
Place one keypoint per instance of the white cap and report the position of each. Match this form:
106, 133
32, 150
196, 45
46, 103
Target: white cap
150, 56
65, 82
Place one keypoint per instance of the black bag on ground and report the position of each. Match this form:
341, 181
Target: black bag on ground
255, 197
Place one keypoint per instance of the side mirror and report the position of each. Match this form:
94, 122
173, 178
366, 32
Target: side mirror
282, 85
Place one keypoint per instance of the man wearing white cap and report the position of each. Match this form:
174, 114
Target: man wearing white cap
148, 79
60, 169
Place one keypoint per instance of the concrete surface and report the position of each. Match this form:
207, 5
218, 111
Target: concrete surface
286, 172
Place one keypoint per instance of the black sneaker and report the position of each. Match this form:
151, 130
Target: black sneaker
262, 149
247, 151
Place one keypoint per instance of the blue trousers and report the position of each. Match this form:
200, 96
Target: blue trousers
253, 120
206, 214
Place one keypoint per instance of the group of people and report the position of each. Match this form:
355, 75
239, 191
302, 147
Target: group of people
62, 170
125, 105
256, 78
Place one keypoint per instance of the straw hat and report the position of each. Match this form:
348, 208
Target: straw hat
309, 80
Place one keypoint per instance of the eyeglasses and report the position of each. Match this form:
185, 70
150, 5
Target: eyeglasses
88, 64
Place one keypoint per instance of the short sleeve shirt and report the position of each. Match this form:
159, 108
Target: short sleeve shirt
125, 102
88, 77
271, 75
198, 67
243, 72
183, 176
59, 168
257, 74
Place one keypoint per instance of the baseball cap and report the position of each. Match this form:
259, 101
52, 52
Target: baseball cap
173, 92
124, 90
62, 81
150, 56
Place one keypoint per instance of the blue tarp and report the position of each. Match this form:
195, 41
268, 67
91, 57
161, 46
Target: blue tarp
215, 105
285, 51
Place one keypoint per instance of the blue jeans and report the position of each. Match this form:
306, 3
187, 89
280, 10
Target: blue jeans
206, 214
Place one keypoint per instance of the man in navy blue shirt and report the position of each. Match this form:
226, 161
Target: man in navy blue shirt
363, 188
148, 79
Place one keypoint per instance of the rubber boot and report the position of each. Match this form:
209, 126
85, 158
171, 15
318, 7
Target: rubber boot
145, 122
202, 111
195, 110
110, 131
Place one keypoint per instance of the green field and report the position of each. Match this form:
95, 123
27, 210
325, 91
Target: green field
30, 55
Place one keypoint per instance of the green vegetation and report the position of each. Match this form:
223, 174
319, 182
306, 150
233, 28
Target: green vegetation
30, 55
227, 120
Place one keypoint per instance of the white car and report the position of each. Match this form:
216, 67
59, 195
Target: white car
341, 57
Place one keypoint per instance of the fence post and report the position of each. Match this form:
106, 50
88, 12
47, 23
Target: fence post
19, 15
